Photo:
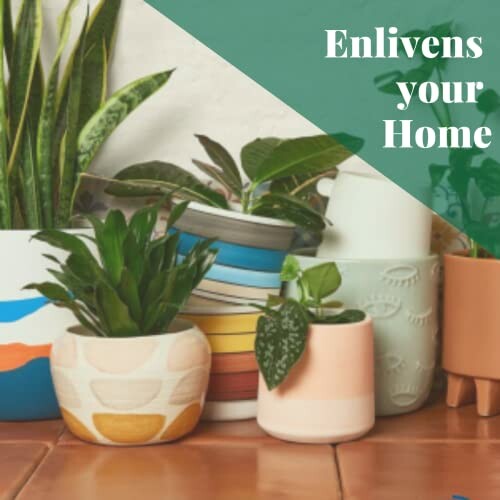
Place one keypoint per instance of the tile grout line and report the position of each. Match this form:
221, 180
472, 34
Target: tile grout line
340, 489
48, 450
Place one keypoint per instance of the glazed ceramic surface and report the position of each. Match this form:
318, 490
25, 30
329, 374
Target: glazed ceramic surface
231, 332
28, 326
471, 340
132, 391
251, 253
401, 298
328, 397
373, 218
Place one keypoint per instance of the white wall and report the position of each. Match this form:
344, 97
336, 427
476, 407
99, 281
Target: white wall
205, 95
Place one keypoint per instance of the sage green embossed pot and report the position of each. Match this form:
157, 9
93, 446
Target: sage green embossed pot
401, 298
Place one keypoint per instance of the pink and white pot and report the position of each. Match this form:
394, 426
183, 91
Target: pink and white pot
328, 397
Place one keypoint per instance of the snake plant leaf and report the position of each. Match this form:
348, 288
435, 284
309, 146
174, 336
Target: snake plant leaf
305, 155
69, 167
289, 208
95, 88
26, 47
8, 31
114, 312
157, 178
216, 174
281, 341
28, 179
256, 152
113, 112
221, 157
5, 208
46, 127
321, 281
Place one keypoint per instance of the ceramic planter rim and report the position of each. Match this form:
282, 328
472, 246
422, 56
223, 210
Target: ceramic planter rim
426, 258
233, 214
215, 310
183, 324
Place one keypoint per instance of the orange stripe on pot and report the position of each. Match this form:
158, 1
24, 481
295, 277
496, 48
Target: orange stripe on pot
233, 386
234, 363
14, 356
223, 324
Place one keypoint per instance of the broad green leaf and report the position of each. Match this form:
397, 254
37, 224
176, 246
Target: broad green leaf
52, 291
115, 313
142, 224
321, 281
158, 178
69, 170
305, 155
24, 60
46, 128
281, 341
5, 207
291, 269
286, 207
110, 244
129, 292
112, 113
345, 317
217, 175
177, 212
64, 241
221, 157
256, 152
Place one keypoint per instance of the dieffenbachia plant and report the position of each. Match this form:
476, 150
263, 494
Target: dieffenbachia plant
280, 172
51, 128
137, 285
282, 331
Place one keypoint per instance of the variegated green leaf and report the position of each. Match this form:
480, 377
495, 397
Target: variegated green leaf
29, 189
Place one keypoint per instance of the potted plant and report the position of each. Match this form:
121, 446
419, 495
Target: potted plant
130, 373
255, 232
316, 363
50, 132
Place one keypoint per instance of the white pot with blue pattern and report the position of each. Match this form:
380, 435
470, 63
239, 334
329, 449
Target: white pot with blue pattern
28, 326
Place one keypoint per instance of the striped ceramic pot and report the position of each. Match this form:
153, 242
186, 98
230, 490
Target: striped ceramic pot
231, 331
132, 391
251, 253
28, 326
400, 295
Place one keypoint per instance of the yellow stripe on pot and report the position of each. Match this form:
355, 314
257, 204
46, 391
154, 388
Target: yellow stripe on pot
224, 324
244, 342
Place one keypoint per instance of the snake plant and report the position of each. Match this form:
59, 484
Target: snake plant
51, 128
137, 285
281, 173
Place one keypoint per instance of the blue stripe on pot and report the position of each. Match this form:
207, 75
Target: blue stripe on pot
242, 277
15, 310
231, 254
34, 384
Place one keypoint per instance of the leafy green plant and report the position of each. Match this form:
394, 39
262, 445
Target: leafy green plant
50, 131
281, 173
282, 331
137, 285
468, 180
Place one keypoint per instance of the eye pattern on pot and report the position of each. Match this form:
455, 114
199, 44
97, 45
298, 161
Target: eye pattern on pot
131, 391
401, 298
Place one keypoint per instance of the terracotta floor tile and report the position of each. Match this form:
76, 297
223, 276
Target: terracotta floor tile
17, 462
437, 422
47, 431
419, 471
180, 472
210, 433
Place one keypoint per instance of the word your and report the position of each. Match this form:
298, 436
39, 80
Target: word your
427, 137
339, 45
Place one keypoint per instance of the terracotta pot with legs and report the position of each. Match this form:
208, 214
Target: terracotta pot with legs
471, 348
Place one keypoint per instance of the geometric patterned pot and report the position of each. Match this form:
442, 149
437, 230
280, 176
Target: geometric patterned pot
132, 391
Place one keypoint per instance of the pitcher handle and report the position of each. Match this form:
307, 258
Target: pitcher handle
324, 186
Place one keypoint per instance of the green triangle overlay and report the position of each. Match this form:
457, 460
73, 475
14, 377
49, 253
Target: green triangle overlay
281, 44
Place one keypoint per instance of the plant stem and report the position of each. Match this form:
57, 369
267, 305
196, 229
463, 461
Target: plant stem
474, 249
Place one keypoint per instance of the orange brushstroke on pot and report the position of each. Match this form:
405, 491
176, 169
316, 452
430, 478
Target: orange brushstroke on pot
14, 356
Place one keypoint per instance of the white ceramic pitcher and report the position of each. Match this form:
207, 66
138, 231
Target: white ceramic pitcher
373, 218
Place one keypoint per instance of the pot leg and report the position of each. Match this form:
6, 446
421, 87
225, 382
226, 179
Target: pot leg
461, 391
488, 397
